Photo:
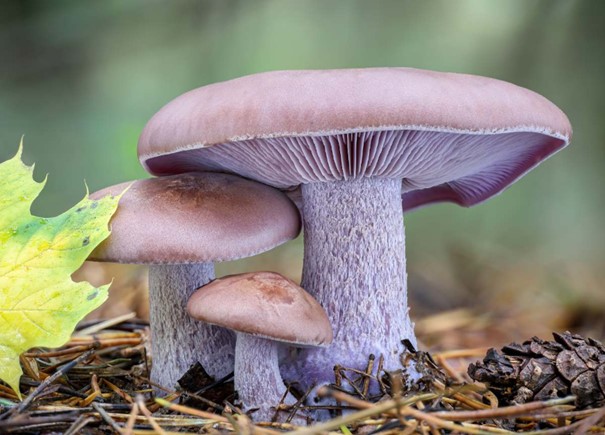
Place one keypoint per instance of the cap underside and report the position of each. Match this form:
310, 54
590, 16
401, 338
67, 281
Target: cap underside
435, 165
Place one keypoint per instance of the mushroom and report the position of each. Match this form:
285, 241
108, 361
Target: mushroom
264, 309
360, 143
180, 225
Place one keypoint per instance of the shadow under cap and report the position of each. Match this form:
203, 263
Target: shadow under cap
263, 304
194, 218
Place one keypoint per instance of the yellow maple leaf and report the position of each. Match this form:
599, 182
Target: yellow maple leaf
40, 305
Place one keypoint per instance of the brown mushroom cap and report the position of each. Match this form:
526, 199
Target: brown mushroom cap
263, 304
449, 137
195, 218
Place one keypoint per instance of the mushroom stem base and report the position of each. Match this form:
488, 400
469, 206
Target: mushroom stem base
354, 265
177, 340
258, 382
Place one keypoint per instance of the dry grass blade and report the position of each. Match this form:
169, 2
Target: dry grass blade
107, 418
449, 425
191, 411
504, 412
581, 427
131, 419
79, 424
371, 411
105, 324
141, 404
210, 416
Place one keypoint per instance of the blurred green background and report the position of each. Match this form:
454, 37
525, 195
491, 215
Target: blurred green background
81, 78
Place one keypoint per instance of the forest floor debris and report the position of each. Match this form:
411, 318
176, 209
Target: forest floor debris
98, 384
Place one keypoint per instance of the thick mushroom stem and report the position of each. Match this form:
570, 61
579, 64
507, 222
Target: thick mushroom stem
354, 265
178, 341
258, 382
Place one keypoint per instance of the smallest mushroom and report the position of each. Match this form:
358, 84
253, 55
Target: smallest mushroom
263, 308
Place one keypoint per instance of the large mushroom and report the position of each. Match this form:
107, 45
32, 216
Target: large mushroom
360, 143
180, 226
264, 309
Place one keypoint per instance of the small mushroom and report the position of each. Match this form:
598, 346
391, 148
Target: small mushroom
264, 309
359, 143
180, 226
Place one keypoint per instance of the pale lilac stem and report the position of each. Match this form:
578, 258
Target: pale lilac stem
178, 341
258, 382
354, 265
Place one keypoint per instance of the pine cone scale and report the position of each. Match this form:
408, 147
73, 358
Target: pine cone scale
570, 365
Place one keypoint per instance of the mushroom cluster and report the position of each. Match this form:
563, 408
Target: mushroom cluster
180, 226
354, 149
